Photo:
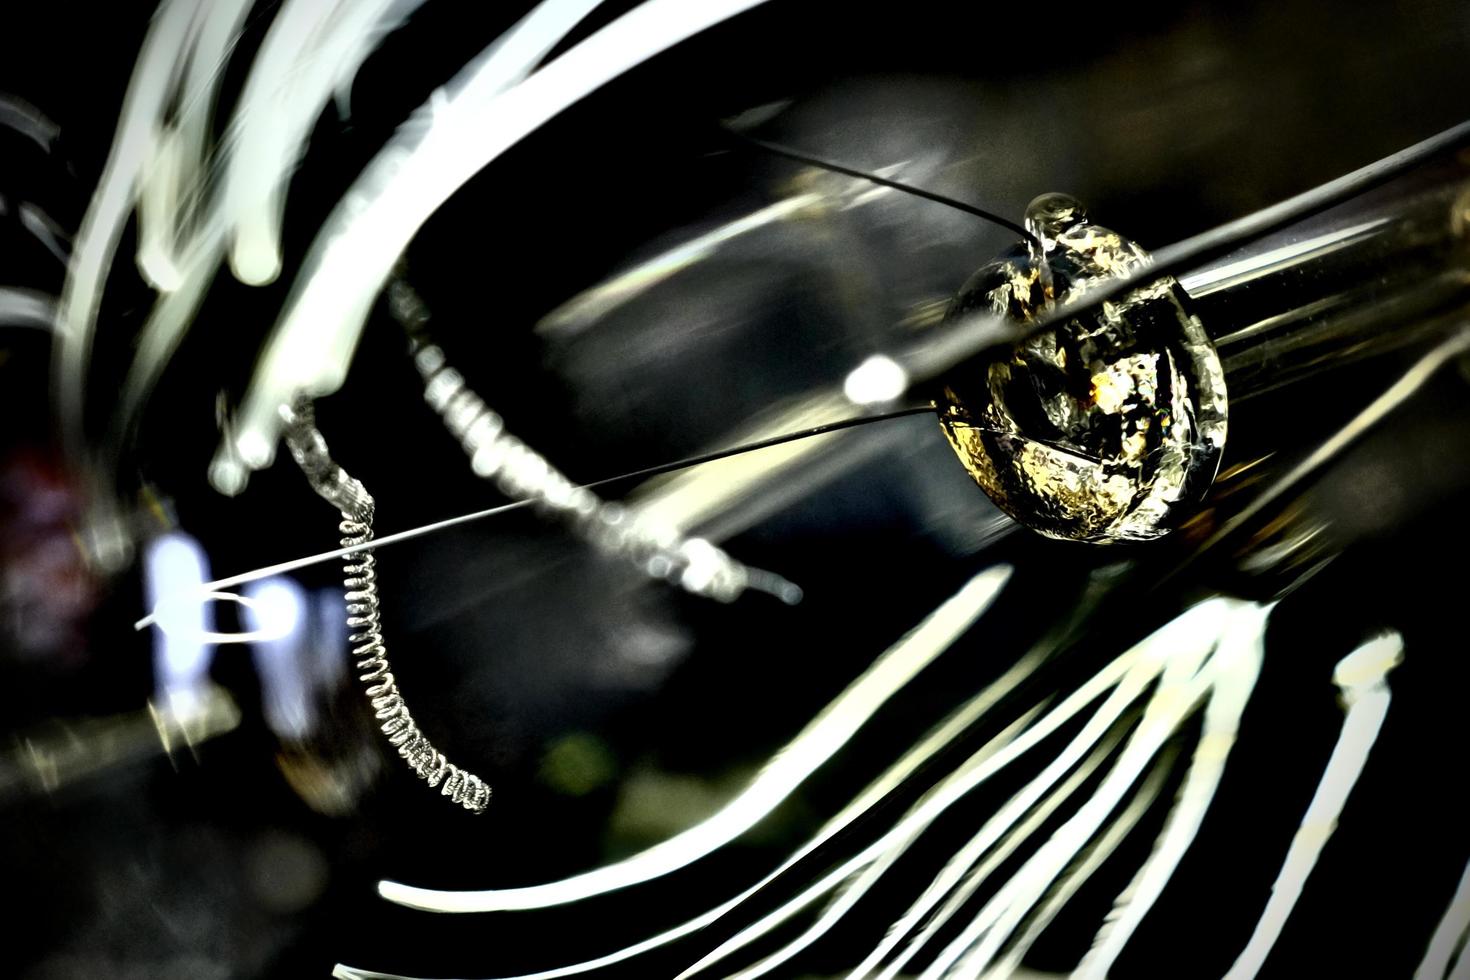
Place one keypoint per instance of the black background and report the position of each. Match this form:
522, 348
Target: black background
508, 638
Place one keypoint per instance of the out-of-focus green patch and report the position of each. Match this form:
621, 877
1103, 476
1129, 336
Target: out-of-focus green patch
577, 764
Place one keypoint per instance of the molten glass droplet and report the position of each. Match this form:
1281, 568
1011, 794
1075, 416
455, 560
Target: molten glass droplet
1108, 428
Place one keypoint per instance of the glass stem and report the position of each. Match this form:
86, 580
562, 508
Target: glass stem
1377, 273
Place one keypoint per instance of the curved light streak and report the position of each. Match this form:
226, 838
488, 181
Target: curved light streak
313, 341
27, 308
812, 747
1147, 657
981, 872
314, 48
1096, 856
1175, 651
311, 49
1184, 641
981, 941
170, 187
1361, 678
853, 879
941, 736
170, 39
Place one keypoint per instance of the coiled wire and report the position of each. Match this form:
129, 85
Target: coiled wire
692, 564
365, 634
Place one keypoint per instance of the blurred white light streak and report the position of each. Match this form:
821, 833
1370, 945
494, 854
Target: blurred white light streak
278, 606
981, 872
1241, 652
1212, 279
167, 45
1461, 969
1146, 658
46, 230
173, 565
314, 48
583, 310
1395, 395
1176, 651
1451, 936
158, 213
27, 308
312, 51
30, 122
860, 192
171, 184
329, 637
1181, 642
980, 765
311, 48
853, 879
313, 341
690, 499
1006, 967
978, 945
1361, 679
167, 322
956, 878
813, 746
942, 735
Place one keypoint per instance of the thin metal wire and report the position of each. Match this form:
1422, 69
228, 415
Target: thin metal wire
294, 564
776, 149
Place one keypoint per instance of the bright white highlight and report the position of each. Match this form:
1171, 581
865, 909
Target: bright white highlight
817, 743
1187, 675
174, 565
1097, 854
876, 381
1361, 679
278, 608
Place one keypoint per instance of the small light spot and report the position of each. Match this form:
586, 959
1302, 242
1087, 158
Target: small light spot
877, 380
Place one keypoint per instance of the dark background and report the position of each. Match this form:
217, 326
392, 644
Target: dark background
528, 659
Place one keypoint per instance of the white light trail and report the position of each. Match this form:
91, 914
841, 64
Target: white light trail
1150, 655
416, 173
1451, 936
1361, 679
167, 45
1182, 683
1097, 855
1242, 652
